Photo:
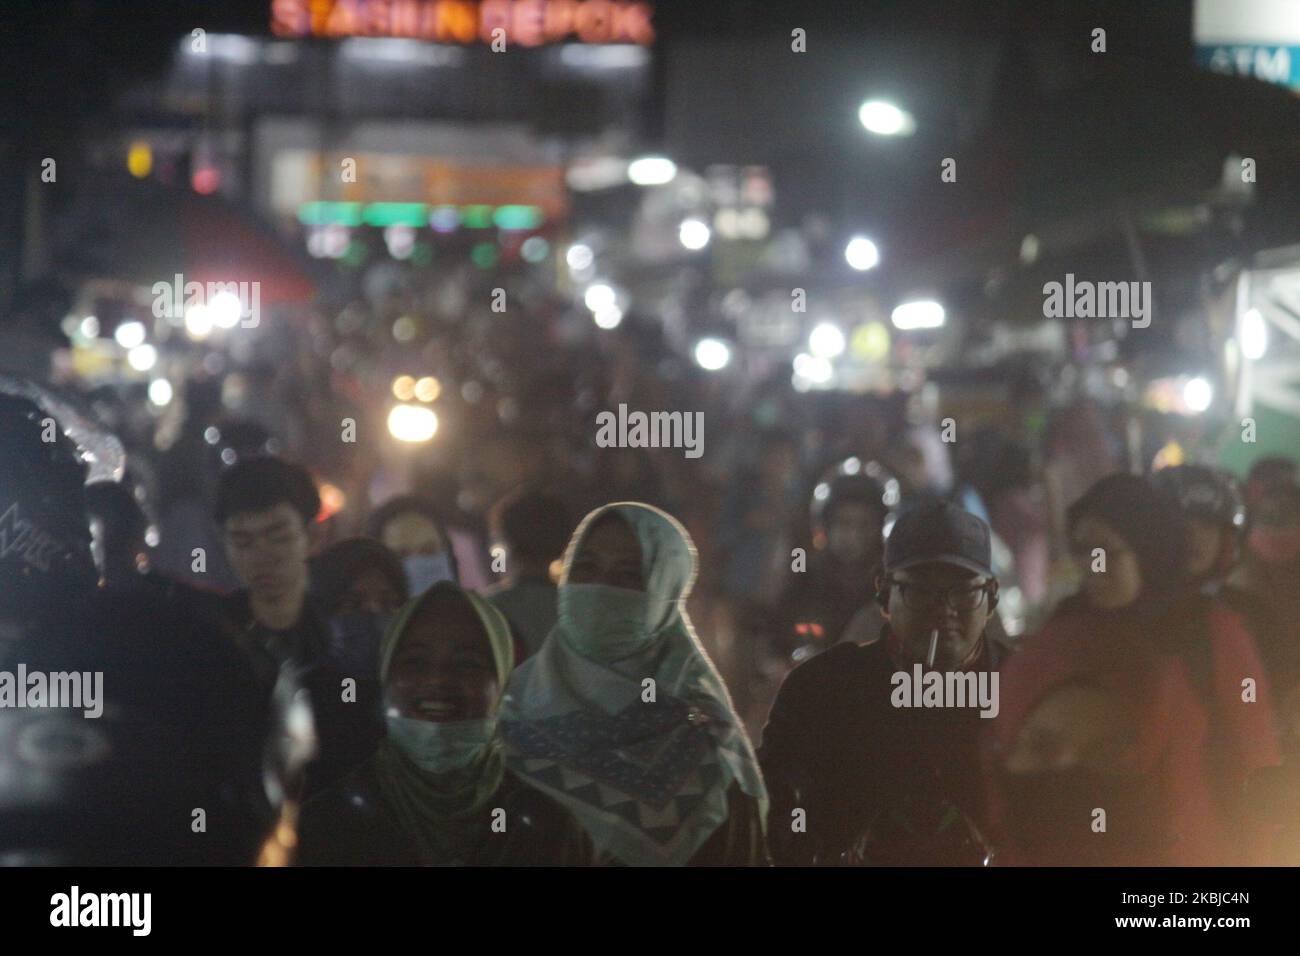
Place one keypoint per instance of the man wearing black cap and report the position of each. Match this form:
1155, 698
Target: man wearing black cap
855, 775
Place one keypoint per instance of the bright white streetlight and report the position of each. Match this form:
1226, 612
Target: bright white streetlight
1254, 335
861, 253
608, 317
921, 314
694, 234
712, 354
818, 371
142, 357
886, 119
129, 334
198, 321
160, 391
225, 310
579, 257
600, 296
1198, 394
651, 170
826, 340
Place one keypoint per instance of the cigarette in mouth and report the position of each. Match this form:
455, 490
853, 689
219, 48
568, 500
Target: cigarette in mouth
934, 646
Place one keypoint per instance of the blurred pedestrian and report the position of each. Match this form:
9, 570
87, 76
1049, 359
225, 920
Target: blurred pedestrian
411, 528
1096, 758
265, 508
622, 717
437, 790
533, 529
849, 514
1130, 543
1269, 573
1216, 519
358, 584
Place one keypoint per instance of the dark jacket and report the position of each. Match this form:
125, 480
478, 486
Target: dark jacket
836, 748
349, 722
354, 825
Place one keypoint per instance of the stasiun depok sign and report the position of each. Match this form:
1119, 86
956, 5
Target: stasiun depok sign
526, 23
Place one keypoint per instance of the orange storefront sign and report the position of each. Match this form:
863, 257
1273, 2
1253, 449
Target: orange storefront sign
396, 178
524, 22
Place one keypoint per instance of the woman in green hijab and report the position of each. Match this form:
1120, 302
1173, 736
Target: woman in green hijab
622, 717
437, 791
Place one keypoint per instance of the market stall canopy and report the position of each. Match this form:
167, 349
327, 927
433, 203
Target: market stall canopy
122, 228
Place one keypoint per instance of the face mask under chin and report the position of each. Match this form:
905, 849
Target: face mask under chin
440, 747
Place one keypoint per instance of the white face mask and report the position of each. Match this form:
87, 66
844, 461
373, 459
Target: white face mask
440, 746
602, 622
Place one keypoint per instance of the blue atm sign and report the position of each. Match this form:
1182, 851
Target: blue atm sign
1271, 63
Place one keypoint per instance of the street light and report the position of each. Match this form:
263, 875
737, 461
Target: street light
826, 340
651, 170
861, 253
600, 296
130, 334
886, 119
694, 234
142, 357
1254, 335
712, 354
921, 314
1197, 394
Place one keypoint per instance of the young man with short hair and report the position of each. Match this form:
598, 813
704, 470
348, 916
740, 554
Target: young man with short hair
265, 507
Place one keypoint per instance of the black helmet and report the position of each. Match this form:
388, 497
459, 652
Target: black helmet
853, 480
44, 535
1202, 492
240, 439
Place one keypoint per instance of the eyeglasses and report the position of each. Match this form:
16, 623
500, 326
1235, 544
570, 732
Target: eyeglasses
919, 598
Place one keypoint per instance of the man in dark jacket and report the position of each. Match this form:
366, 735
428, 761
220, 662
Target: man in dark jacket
265, 507
864, 767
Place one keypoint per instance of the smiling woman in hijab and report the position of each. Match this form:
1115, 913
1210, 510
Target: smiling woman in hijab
622, 717
437, 791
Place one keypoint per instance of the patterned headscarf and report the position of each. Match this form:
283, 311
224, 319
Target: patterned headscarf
646, 774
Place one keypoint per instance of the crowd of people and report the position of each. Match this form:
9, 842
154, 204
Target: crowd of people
531, 690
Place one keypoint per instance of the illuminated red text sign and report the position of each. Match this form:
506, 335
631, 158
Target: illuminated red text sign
524, 22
